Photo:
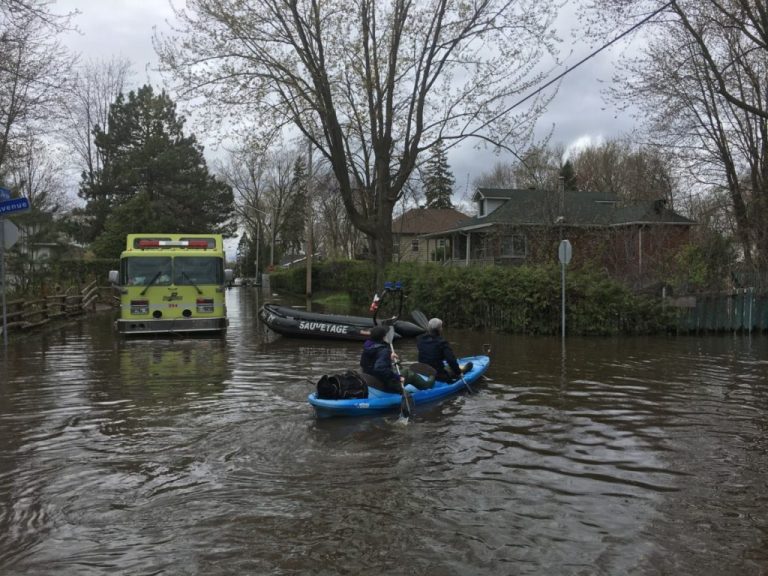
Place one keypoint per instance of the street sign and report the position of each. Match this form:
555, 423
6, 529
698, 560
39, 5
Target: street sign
14, 206
564, 252
5, 194
10, 233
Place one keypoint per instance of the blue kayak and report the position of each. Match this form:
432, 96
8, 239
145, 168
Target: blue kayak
379, 401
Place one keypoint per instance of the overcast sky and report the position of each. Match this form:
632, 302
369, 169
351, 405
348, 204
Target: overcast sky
124, 28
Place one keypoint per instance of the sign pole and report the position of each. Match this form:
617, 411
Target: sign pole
8, 205
2, 279
562, 303
564, 254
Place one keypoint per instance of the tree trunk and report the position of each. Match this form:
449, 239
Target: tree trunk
382, 249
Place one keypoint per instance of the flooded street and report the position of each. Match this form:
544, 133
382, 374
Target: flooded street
202, 456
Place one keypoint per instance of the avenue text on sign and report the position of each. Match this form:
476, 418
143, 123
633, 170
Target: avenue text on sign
15, 205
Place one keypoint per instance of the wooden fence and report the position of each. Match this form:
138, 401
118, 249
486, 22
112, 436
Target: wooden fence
27, 314
741, 310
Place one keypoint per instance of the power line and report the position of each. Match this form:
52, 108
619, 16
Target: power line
590, 56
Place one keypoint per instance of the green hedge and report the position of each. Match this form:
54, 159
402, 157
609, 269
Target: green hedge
522, 299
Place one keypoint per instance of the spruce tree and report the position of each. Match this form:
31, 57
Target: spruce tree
245, 257
438, 180
154, 177
568, 174
293, 229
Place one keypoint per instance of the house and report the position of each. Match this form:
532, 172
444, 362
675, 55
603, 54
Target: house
514, 226
411, 234
40, 248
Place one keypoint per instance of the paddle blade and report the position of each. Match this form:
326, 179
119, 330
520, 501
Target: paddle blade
420, 318
406, 408
405, 411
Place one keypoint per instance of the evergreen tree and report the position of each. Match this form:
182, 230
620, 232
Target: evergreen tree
245, 255
154, 177
438, 180
293, 229
568, 174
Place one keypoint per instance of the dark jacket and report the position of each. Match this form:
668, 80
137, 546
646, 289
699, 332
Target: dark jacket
376, 360
435, 351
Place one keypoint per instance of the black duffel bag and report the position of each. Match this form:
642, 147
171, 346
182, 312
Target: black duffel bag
350, 384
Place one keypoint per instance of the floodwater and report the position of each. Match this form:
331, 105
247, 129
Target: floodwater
202, 456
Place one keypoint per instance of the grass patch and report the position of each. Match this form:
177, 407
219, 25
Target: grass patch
340, 302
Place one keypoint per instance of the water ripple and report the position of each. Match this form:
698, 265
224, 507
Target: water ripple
642, 456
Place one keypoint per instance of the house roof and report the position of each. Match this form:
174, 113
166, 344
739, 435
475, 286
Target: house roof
497, 193
538, 207
427, 220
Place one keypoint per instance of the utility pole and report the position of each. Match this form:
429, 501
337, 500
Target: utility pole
308, 242
258, 244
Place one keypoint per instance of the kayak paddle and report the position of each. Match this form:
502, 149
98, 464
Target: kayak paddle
469, 388
405, 402
420, 318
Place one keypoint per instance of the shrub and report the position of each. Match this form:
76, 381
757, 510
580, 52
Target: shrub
525, 299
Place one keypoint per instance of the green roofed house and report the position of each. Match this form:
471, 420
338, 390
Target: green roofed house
636, 241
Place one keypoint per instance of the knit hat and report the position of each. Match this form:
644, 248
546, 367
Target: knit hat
378, 333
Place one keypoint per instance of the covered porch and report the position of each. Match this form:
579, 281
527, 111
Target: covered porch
481, 245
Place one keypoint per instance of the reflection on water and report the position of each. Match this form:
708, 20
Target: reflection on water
202, 456
170, 370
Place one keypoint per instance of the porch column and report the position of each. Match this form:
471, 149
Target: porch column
469, 236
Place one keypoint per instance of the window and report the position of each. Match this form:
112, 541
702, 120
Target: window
415, 245
146, 271
441, 243
513, 246
191, 270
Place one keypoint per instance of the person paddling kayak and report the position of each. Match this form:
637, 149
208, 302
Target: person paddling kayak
435, 351
377, 360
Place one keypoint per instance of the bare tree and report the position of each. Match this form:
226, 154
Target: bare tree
539, 167
34, 171
631, 172
336, 237
741, 35
262, 181
246, 171
33, 70
279, 193
702, 88
371, 84
96, 86
502, 175
536, 167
